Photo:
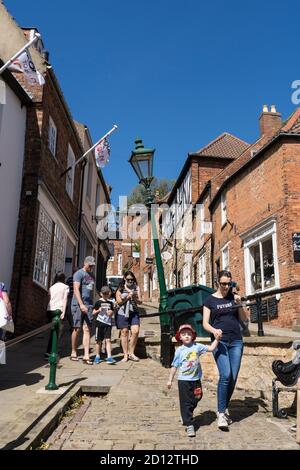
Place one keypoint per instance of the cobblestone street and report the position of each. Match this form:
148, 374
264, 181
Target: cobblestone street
141, 414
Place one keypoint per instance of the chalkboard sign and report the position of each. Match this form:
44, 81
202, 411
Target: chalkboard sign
269, 310
296, 247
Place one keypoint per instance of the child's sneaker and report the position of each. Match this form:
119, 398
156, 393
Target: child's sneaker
97, 360
190, 431
111, 360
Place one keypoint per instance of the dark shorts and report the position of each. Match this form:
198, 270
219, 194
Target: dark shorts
127, 322
103, 331
79, 318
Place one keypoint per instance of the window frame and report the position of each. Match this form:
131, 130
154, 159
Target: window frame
59, 250
255, 237
201, 271
70, 175
225, 248
223, 208
41, 269
120, 264
154, 279
51, 127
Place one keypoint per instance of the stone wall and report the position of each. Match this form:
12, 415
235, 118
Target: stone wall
256, 370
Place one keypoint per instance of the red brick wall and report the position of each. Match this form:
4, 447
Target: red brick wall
51, 168
203, 170
270, 187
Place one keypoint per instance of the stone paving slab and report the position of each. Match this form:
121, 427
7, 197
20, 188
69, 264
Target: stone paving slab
139, 413
28, 412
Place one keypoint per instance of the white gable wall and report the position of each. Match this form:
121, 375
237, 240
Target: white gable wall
12, 141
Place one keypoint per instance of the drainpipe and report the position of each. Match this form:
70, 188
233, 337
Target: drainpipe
83, 165
19, 283
212, 243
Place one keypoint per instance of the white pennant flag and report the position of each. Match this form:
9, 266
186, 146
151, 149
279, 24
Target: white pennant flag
102, 153
24, 64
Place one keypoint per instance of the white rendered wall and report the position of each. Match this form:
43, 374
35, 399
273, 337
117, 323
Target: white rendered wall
12, 141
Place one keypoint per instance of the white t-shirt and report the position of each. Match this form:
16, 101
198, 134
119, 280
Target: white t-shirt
58, 297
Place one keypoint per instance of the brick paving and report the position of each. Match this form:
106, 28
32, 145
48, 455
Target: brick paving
141, 414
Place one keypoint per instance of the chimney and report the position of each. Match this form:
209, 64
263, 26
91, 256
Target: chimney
269, 121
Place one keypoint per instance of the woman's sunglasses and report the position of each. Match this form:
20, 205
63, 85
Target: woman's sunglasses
224, 284
129, 279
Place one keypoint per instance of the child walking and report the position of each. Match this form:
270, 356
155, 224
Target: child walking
104, 309
186, 359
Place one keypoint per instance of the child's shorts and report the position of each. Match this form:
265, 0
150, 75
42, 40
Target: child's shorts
103, 331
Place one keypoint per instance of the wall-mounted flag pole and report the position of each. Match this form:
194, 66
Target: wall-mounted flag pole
24, 48
90, 150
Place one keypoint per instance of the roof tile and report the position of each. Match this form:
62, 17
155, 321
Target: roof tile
224, 146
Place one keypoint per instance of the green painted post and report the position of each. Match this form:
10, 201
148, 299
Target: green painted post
163, 300
53, 356
166, 347
141, 161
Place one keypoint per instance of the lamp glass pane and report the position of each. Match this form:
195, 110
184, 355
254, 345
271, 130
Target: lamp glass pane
145, 168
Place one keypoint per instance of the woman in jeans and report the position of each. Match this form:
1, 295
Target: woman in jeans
221, 319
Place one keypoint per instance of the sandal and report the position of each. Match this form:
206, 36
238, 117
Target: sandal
74, 358
87, 361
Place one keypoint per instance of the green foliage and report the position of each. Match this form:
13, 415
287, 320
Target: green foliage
159, 187
136, 247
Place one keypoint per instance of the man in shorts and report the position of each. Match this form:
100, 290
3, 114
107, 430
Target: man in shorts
82, 308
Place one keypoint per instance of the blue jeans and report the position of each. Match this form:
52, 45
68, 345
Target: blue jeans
228, 357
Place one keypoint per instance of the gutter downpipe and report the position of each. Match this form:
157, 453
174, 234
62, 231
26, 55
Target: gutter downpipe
83, 165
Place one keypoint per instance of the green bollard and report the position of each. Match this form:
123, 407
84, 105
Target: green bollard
53, 356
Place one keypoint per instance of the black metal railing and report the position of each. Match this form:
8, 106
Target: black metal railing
252, 300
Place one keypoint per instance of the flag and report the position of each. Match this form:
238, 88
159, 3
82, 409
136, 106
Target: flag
24, 64
102, 153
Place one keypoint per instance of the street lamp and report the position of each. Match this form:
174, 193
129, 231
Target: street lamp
141, 161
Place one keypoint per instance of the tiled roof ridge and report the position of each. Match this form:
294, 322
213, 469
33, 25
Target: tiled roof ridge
218, 139
234, 166
292, 120
248, 149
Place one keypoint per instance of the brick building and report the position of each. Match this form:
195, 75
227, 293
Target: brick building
254, 207
14, 101
125, 249
246, 199
181, 241
95, 192
49, 217
135, 252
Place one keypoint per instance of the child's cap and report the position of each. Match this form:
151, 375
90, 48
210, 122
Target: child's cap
185, 326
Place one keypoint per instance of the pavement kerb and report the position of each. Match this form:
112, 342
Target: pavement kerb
45, 426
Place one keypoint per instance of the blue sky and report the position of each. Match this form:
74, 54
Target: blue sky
177, 73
